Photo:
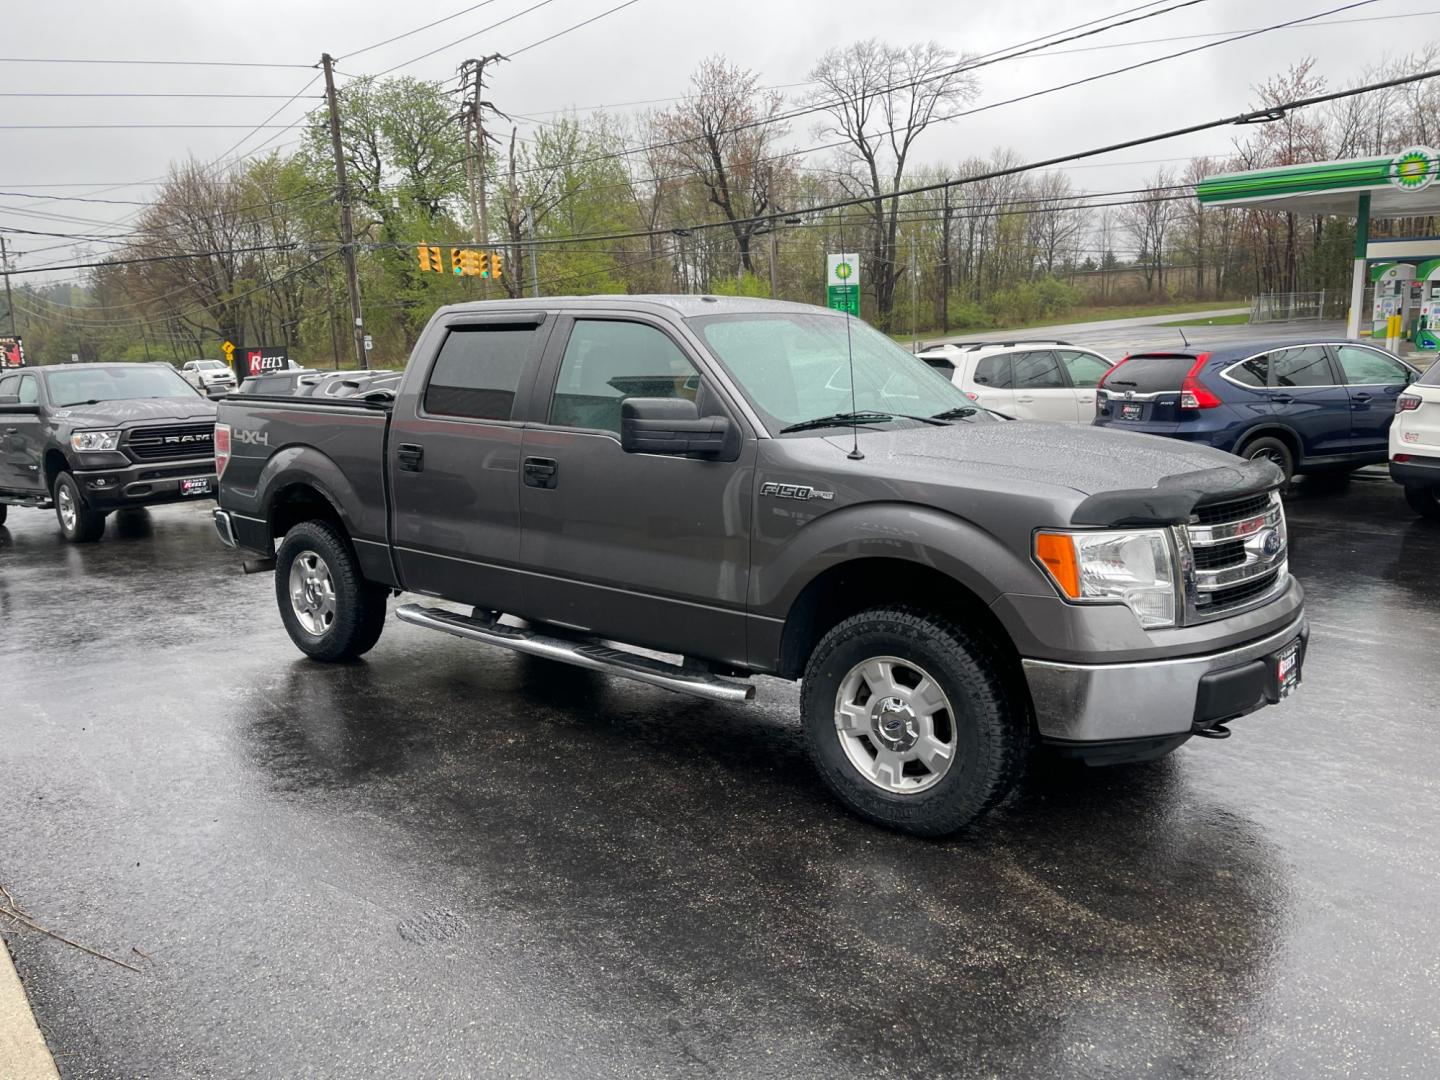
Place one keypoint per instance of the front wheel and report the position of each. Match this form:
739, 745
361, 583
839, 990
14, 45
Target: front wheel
1425, 501
1272, 450
910, 722
78, 523
330, 610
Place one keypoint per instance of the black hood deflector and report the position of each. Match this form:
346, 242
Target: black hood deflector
1174, 498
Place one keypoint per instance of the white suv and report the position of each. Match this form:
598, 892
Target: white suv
1029, 380
208, 376
1415, 443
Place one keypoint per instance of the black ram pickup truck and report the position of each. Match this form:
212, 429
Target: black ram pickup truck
88, 439
758, 488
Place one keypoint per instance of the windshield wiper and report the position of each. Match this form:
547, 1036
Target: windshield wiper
839, 419
960, 412
938, 420
72, 404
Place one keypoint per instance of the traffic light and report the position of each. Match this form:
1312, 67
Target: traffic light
495, 266
459, 263
429, 258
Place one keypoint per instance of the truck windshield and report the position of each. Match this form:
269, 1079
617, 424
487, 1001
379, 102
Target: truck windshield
795, 368
116, 383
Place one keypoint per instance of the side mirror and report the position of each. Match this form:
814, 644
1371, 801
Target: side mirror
670, 426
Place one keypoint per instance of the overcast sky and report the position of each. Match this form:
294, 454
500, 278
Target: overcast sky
645, 51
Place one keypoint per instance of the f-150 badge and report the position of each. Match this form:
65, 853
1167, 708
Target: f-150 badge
794, 491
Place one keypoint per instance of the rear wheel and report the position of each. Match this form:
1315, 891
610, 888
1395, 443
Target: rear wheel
78, 522
1268, 448
330, 610
1425, 501
910, 722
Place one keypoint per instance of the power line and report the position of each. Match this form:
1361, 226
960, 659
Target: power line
568, 29
150, 63
418, 29
460, 40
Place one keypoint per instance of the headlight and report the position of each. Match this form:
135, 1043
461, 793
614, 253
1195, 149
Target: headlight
95, 440
1134, 568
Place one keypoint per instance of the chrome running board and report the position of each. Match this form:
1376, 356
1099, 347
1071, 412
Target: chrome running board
588, 653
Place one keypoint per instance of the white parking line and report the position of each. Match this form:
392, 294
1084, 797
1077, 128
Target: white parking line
23, 1053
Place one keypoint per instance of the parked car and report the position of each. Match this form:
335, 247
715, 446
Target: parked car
212, 377
758, 487
1415, 443
88, 439
1029, 380
1307, 406
304, 383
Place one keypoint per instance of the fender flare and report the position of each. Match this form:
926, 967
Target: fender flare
293, 466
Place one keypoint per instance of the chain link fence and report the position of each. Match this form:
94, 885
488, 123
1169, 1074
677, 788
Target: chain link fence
1298, 306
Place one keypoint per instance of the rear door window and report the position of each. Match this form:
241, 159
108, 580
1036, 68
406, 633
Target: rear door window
994, 372
1308, 365
1367, 367
1038, 371
477, 374
1150, 373
9, 386
1253, 372
1084, 369
29, 390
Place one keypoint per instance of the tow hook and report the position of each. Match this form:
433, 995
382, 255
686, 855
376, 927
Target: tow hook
1215, 731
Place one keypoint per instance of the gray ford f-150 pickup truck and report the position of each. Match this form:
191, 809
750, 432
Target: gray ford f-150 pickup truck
762, 488
91, 438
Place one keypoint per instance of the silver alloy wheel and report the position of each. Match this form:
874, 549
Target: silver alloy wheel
895, 725
1270, 454
312, 593
65, 503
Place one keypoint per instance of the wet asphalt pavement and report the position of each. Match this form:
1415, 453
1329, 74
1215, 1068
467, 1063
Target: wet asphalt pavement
448, 860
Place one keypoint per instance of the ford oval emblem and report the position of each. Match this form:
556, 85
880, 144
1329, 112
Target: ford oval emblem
1270, 542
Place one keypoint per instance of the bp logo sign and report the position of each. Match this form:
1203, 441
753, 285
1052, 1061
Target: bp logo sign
843, 271
1414, 169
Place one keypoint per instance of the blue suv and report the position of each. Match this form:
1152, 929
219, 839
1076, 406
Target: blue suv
1307, 406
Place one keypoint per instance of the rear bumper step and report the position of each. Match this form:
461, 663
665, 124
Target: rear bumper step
588, 653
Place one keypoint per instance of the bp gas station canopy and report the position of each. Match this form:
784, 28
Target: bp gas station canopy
1361, 188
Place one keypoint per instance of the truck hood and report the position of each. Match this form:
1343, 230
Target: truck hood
1089, 460
131, 410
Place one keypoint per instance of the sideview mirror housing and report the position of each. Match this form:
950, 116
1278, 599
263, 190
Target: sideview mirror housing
671, 426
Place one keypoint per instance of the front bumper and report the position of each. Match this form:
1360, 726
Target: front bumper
1419, 471
147, 484
1149, 700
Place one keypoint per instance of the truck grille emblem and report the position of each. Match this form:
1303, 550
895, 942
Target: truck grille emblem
794, 491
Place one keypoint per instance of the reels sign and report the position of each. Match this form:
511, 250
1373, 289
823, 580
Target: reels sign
266, 358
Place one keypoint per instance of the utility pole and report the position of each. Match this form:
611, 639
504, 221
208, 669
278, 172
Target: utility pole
534, 262
9, 299
472, 114
945, 263
347, 230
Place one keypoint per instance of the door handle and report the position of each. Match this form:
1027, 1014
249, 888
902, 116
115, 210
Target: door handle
541, 472
1359, 397
411, 457
1282, 399
1025, 400
12, 431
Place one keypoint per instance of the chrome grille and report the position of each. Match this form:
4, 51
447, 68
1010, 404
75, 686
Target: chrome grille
171, 443
1233, 556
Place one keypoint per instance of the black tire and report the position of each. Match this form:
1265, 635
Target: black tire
4, 513
989, 727
1425, 501
1271, 449
356, 607
84, 526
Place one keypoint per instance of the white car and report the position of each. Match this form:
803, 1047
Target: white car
1029, 380
208, 376
1415, 443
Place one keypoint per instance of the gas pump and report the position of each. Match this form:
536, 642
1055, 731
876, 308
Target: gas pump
1392, 295
1427, 327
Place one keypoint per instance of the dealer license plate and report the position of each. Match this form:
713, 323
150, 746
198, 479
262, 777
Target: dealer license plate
1287, 668
200, 486
1130, 412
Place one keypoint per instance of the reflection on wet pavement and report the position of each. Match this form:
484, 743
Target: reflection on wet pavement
447, 860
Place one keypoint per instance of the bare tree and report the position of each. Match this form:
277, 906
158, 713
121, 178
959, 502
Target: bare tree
879, 99
724, 135
1147, 222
